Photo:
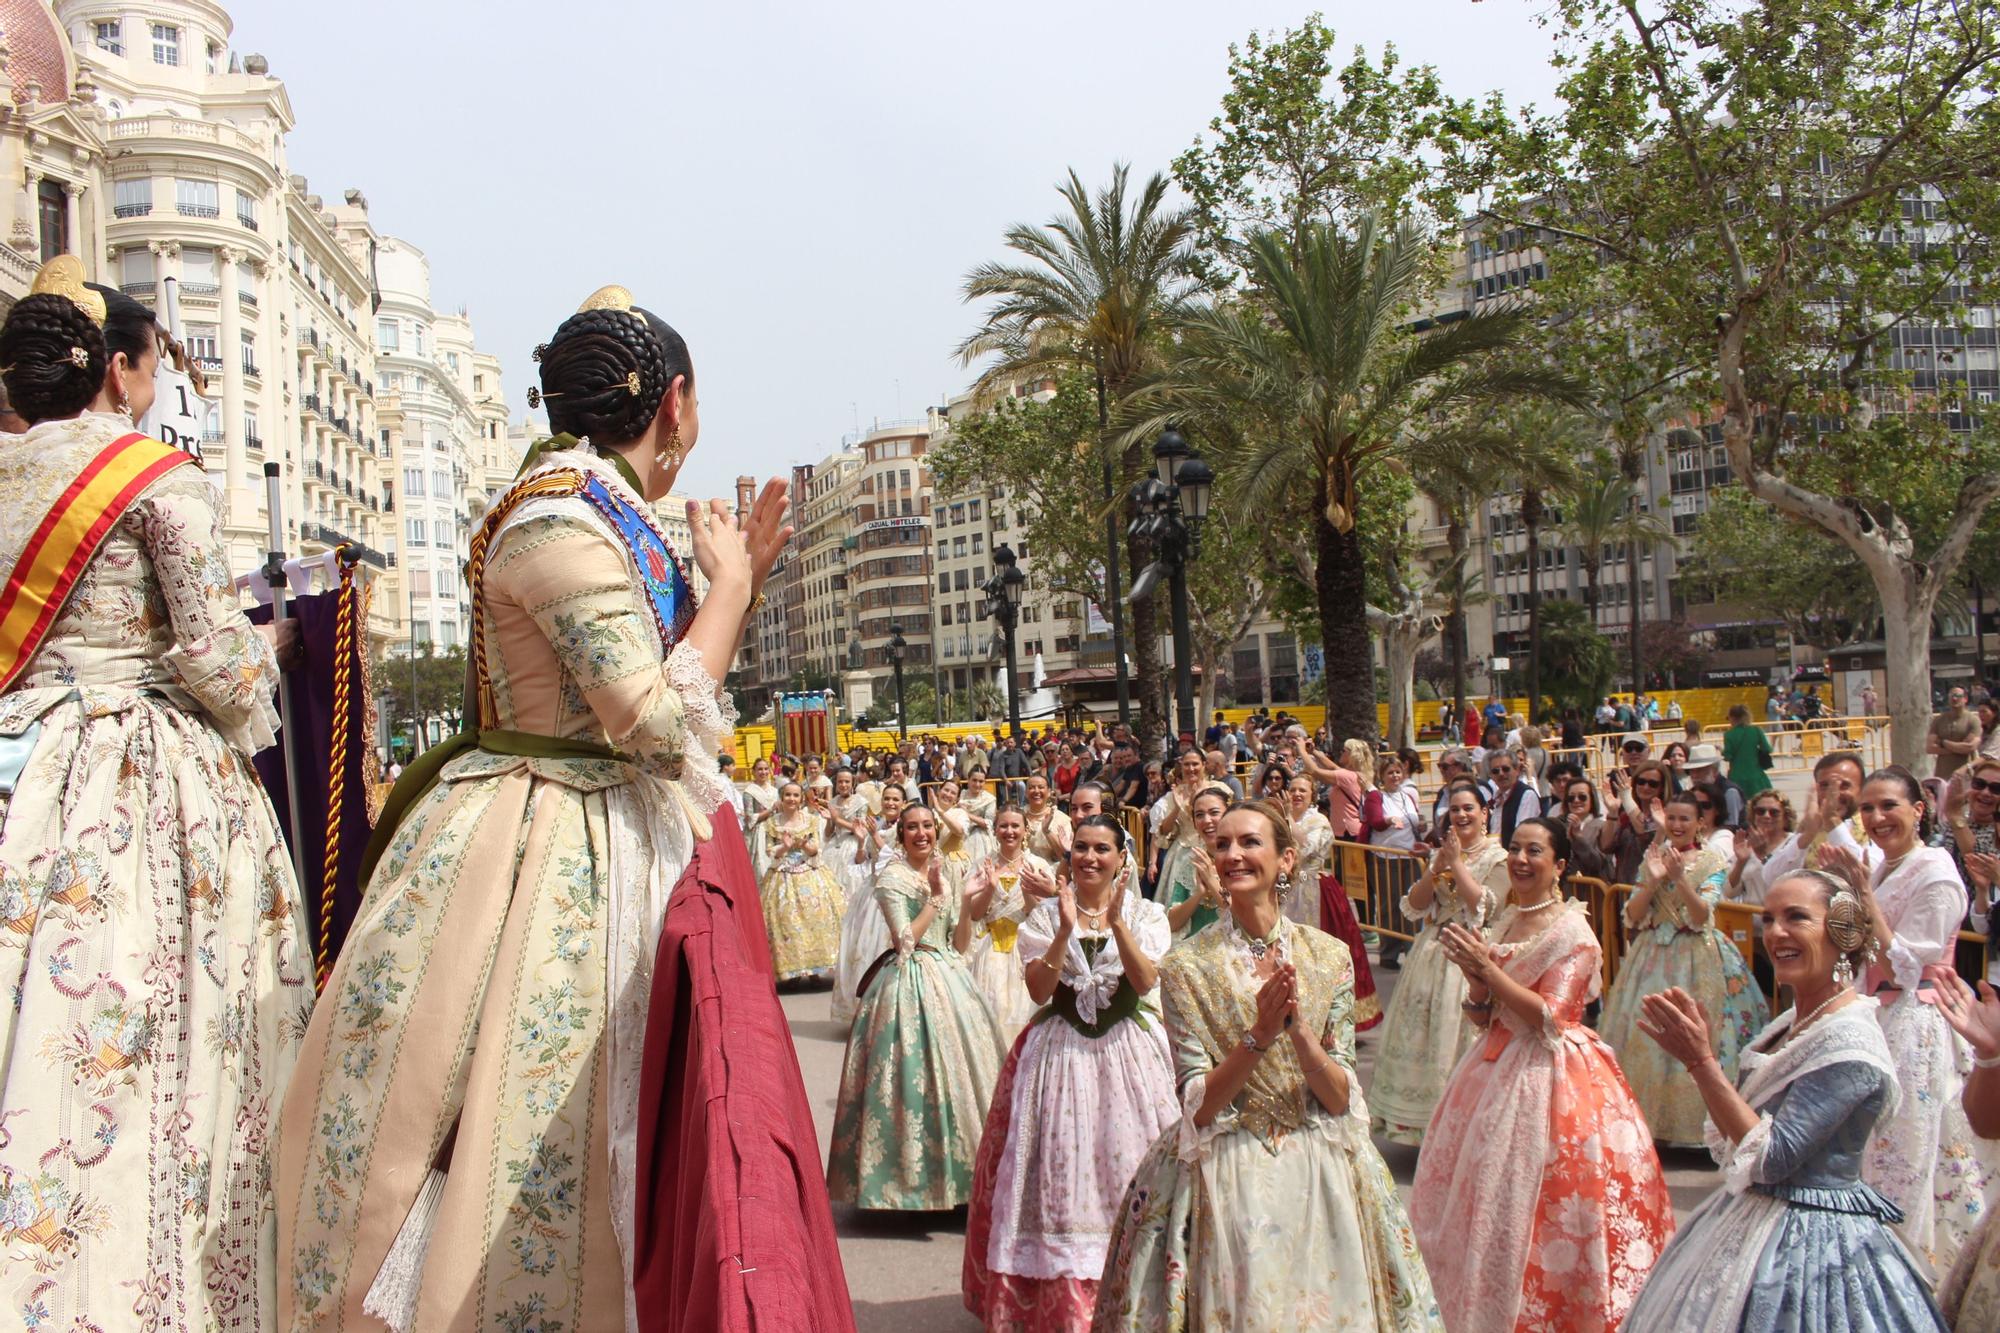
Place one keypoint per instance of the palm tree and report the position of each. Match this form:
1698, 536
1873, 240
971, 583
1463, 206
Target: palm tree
1601, 509
1096, 288
1320, 372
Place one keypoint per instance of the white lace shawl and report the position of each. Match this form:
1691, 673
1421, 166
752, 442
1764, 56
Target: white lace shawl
1095, 982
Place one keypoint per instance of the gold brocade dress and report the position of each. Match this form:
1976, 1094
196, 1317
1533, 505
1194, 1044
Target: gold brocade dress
1277, 1215
801, 898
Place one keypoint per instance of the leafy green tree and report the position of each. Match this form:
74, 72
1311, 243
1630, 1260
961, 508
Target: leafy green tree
1771, 192
1776, 567
432, 685
1300, 143
1676, 653
1095, 290
1320, 375
1577, 660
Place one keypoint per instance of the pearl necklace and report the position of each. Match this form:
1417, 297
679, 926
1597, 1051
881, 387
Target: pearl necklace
1818, 1009
1549, 901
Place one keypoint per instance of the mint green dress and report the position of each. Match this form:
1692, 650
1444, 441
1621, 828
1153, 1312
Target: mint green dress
922, 1059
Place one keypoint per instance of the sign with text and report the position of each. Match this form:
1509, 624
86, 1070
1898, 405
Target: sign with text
178, 415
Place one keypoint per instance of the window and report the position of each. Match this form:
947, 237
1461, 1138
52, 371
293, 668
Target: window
203, 347
53, 210
413, 530
978, 542
249, 354
958, 580
944, 549
420, 582
251, 437
451, 359
448, 634
197, 199
413, 481
975, 511
417, 338
479, 384
166, 44
906, 479
132, 197
944, 615
420, 633
135, 269
944, 582
109, 36
215, 57
386, 335
441, 484
246, 209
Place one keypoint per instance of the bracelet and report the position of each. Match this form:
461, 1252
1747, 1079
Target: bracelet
1250, 1040
1993, 1063
756, 604
1476, 1006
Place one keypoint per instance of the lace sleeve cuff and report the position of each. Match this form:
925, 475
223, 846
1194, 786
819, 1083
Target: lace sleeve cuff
1193, 1140
709, 715
1411, 913
905, 943
231, 673
1905, 968
1740, 1161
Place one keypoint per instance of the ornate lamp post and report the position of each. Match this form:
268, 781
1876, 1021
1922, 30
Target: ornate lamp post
898, 646
1003, 603
1172, 506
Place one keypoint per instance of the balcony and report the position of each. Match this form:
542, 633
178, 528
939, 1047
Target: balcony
138, 288
255, 442
309, 403
131, 210
247, 298
246, 220
250, 369
198, 210
199, 289
310, 337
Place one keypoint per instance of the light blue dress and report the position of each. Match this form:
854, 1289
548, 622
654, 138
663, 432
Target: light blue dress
1794, 1242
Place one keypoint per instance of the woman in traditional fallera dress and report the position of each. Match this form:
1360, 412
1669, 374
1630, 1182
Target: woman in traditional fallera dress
1083, 1095
759, 798
923, 1054
1792, 1239
491, 1062
1538, 1199
1924, 1157
1427, 1029
1322, 899
1191, 889
864, 931
1048, 826
999, 894
1176, 835
1265, 1206
846, 809
980, 806
152, 940
1970, 1292
801, 897
1675, 943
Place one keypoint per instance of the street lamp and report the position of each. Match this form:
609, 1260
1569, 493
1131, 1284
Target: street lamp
898, 646
1172, 506
1003, 603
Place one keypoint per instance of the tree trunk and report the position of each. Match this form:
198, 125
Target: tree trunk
1531, 519
1592, 571
1339, 585
1402, 634
1906, 638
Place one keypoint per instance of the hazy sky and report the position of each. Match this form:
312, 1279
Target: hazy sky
799, 188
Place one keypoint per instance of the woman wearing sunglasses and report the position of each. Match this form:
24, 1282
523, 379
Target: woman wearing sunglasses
1637, 801
1972, 818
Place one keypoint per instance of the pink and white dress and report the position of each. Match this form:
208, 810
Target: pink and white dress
1086, 1090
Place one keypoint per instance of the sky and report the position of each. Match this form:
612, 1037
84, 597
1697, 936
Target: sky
798, 188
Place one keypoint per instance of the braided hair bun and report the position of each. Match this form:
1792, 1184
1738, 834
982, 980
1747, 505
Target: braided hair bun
607, 371
52, 357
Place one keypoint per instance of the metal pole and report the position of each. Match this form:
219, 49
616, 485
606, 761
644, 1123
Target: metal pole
1009, 616
416, 715
274, 574
1183, 637
902, 713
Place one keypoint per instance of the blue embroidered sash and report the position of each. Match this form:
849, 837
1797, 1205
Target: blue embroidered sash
666, 588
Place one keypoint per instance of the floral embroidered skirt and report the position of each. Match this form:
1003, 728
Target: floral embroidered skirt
1423, 1036
1072, 1118
158, 981
1706, 965
802, 910
1925, 1158
1311, 1235
922, 1058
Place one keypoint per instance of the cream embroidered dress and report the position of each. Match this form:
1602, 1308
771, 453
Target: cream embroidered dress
501, 962
152, 941
1426, 1031
994, 957
1278, 1215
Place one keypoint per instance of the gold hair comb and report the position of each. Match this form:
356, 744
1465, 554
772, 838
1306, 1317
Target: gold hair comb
63, 276
613, 297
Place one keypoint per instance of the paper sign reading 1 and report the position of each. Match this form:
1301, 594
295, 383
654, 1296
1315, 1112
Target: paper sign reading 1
177, 415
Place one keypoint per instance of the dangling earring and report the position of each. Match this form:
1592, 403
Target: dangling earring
1843, 971
669, 454
1284, 888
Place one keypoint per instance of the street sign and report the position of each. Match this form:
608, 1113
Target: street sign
1503, 664
1315, 662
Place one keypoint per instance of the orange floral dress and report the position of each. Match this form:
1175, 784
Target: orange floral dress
1539, 1204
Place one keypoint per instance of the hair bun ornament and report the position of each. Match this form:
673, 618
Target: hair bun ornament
63, 276
79, 358
613, 297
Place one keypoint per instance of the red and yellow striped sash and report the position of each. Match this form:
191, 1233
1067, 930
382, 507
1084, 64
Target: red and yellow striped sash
67, 538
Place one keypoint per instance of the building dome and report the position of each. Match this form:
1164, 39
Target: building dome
37, 50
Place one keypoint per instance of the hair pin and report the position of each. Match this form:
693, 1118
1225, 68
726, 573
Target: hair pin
539, 349
536, 397
79, 358
632, 384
